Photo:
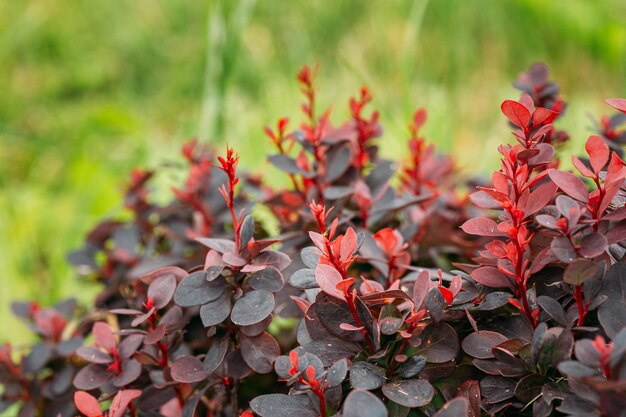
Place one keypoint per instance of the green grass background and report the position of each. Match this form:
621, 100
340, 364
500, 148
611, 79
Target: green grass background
90, 89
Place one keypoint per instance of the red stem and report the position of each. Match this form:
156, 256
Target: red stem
582, 311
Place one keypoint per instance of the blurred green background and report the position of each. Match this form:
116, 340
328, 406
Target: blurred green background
90, 89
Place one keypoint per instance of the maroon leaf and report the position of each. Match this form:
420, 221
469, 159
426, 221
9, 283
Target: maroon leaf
103, 336
440, 343
563, 249
131, 370
580, 271
491, 277
91, 377
481, 226
540, 197
94, 355
259, 352
162, 290
592, 245
481, 343
188, 369
570, 184
455, 407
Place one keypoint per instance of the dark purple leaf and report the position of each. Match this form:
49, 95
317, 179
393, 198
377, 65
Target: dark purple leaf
235, 366
337, 373
495, 389
253, 307
413, 366
575, 369
612, 316
288, 165
410, 393
310, 256
440, 343
38, 357
563, 249
303, 279
129, 345
281, 405
216, 311
188, 369
359, 403
94, 355
195, 290
131, 369
456, 407
593, 245
268, 279
219, 245
91, 377
580, 271
162, 290
259, 352
435, 303
481, 343
247, 230
553, 308
367, 376
216, 354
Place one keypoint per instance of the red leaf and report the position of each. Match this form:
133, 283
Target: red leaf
541, 196
481, 226
617, 103
541, 114
348, 244
87, 404
582, 168
327, 278
616, 170
570, 184
491, 277
598, 152
447, 294
121, 401
517, 113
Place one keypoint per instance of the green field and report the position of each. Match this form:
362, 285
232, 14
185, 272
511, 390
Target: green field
90, 89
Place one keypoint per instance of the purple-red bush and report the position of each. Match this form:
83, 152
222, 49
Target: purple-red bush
394, 288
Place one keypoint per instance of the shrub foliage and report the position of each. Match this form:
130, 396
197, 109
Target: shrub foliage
393, 288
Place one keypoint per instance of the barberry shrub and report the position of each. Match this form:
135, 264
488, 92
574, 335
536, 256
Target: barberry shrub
393, 288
